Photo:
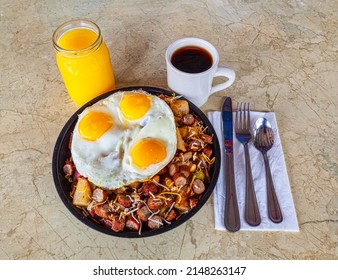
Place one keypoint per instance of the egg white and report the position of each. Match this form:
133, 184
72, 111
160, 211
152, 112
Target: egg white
106, 162
162, 129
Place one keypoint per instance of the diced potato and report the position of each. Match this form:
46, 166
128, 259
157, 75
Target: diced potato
184, 192
83, 193
180, 142
180, 107
184, 130
182, 202
183, 206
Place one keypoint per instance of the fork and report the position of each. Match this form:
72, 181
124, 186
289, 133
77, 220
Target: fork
243, 134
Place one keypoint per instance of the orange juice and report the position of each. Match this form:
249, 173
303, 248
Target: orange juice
83, 60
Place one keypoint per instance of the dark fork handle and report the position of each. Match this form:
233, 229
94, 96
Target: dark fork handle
274, 212
251, 214
231, 218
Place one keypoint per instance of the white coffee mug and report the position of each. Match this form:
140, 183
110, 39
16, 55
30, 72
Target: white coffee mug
196, 87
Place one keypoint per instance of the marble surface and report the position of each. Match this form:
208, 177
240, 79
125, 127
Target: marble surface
285, 57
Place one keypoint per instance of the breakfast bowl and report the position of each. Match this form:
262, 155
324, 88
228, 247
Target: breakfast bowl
171, 195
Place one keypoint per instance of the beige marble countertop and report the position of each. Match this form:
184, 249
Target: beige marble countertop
285, 54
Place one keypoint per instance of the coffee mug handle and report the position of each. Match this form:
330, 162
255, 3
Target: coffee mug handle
224, 72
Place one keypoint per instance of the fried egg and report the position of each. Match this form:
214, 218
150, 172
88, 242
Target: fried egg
126, 137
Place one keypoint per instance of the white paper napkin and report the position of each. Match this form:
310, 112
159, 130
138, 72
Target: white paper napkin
279, 175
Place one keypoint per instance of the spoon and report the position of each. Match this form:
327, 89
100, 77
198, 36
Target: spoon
263, 141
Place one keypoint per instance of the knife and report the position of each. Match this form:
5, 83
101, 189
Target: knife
231, 218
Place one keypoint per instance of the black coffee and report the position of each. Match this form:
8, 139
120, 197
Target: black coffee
192, 59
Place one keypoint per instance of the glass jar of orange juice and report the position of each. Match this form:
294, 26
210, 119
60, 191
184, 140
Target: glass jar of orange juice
83, 60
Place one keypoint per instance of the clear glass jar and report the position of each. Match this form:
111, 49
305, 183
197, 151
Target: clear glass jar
83, 60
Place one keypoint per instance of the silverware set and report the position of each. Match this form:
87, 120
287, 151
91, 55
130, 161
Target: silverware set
261, 134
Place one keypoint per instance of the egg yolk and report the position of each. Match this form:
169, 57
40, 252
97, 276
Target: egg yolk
135, 106
147, 152
93, 125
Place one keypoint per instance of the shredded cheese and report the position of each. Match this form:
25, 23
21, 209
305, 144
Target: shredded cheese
167, 222
146, 206
154, 213
163, 186
151, 194
131, 211
157, 222
140, 228
204, 129
208, 160
131, 199
132, 214
192, 181
179, 196
171, 207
